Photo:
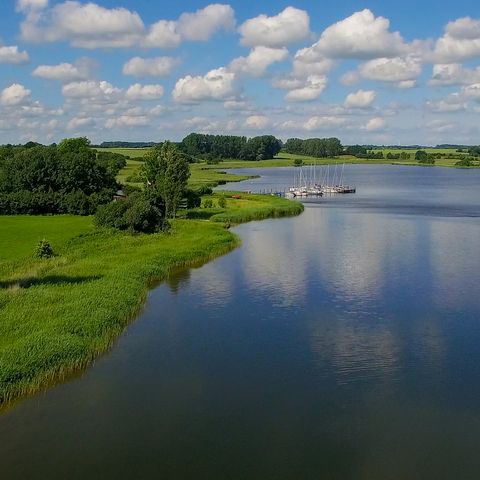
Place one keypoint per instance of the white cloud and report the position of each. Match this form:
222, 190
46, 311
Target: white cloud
127, 121
25, 5
472, 91
218, 84
312, 89
235, 105
257, 121
259, 59
461, 41
11, 54
308, 61
405, 84
453, 103
202, 24
289, 26
453, 74
84, 25
360, 99
375, 124
397, 69
102, 92
162, 34
65, 72
88, 25
15, 94
323, 122
150, 67
144, 92
79, 123
361, 36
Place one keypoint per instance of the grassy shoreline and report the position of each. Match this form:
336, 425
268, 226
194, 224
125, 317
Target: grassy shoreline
59, 314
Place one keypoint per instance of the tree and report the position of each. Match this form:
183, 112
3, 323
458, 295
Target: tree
73, 145
165, 174
421, 156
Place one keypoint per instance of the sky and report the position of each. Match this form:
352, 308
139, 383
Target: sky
370, 72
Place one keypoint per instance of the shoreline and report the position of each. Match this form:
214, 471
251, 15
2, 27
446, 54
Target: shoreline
95, 288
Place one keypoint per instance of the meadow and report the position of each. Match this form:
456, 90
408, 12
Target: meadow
214, 174
60, 313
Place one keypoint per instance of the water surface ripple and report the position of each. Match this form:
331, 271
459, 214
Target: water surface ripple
340, 344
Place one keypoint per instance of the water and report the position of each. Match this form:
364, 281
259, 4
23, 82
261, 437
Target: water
341, 344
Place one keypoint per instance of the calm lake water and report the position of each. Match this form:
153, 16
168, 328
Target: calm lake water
340, 344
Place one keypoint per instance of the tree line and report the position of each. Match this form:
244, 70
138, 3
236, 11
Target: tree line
199, 146
314, 147
64, 178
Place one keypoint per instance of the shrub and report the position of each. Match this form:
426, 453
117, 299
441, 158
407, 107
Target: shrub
208, 203
298, 162
222, 202
465, 162
137, 214
43, 250
142, 216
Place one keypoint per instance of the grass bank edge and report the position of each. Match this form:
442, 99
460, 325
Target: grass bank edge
105, 283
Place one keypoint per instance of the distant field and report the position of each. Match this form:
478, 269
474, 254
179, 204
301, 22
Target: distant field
129, 152
204, 174
413, 150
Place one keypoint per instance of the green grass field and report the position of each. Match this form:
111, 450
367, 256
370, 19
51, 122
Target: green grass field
212, 175
58, 314
19, 234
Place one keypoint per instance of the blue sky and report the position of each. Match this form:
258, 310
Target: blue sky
373, 72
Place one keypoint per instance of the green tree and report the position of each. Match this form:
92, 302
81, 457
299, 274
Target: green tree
421, 156
165, 174
73, 145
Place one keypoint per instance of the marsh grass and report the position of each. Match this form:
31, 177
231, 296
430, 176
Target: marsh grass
58, 314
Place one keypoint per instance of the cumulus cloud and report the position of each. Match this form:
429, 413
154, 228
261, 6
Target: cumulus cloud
396, 69
88, 25
259, 59
361, 36
144, 92
65, 72
360, 99
15, 94
127, 120
26, 5
218, 84
11, 54
162, 34
150, 67
312, 88
289, 26
375, 124
453, 74
103, 92
257, 121
323, 122
79, 123
472, 91
202, 24
453, 103
84, 25
461, 41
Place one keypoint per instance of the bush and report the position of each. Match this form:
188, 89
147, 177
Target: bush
208, 203
43, 250
137, 214
222, 202
298, 162
465, 162
142, 216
